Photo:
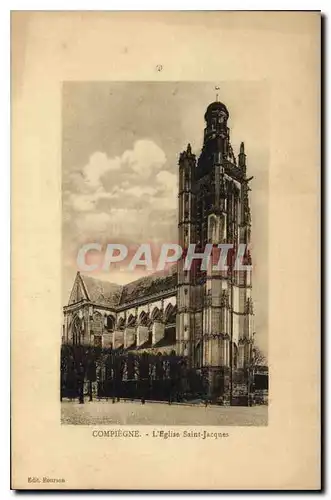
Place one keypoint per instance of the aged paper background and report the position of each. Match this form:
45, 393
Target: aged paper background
282, 48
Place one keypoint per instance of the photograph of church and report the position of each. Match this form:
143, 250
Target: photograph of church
203, 317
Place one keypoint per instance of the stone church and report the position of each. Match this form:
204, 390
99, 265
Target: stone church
205, 316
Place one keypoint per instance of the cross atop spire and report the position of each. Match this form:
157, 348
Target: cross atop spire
217, 88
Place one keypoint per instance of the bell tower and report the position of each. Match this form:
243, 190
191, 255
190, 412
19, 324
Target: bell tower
215, 309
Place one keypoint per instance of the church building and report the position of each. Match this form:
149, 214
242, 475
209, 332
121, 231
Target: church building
205, 316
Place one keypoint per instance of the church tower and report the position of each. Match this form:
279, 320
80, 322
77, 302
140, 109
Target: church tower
187, 235
215, 311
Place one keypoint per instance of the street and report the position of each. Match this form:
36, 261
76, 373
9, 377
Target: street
153, 413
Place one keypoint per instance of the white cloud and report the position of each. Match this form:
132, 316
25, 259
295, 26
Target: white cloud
145, 157
141, 161
130, 196
98, 165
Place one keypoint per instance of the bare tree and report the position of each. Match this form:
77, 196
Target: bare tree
258, 358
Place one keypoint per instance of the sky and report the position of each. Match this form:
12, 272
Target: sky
120, 147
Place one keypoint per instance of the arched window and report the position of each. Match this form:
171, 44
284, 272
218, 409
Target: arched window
131, 321
110, 324
212, 237
76, 331
186, 206
170, 324
186, 237
143, 318
121, 324
187, 182
156, 314
198, 352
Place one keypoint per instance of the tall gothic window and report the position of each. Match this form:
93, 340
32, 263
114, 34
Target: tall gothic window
187, 182
186, 206
76, 331
198, 355
186, 237
212, 236
234, 355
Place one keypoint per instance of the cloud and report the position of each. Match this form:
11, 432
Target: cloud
142, 160
127, 197
95, 181
145, 157
98, 165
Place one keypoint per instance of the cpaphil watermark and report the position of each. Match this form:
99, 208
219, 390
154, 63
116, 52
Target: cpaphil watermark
96, 257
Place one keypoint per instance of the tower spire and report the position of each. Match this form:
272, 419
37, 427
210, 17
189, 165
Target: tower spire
242, 156
217, 88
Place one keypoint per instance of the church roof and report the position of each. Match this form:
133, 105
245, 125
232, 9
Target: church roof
102, 292
105, 293
149, 285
